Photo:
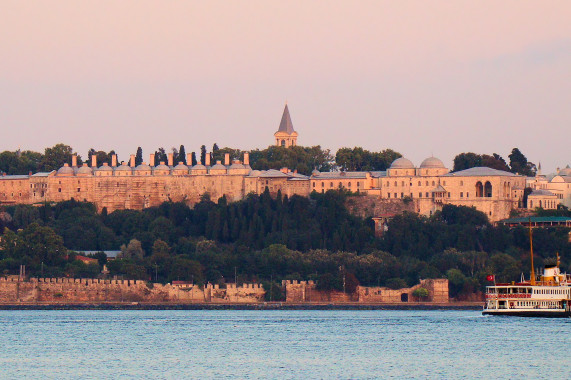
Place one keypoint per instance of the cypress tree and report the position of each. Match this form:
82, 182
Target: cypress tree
203, 155
194, 162
139, 157
182, 155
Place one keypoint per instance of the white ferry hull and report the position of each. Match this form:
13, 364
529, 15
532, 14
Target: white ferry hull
529, 313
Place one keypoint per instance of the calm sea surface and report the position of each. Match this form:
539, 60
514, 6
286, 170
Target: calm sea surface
281, 344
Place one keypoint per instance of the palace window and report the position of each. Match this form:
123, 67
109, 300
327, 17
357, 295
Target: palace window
420, 195
388, 195
461, 194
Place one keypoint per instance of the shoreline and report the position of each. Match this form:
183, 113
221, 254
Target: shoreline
241, 306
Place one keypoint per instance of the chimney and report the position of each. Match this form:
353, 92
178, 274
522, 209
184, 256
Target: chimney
74, 160
246, 158
152, 160
171, 159
114, 160
189, 159
207, 159
93, 160
284, 170
226, 159
132, 161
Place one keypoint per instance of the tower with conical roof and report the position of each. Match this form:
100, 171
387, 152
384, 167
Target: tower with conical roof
286, 136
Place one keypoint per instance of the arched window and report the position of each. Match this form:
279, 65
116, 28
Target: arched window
488, 189
479, 189
283, 143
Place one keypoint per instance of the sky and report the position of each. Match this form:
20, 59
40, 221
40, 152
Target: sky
421, 77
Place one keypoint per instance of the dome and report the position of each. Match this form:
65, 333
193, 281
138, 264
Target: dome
65, 170
105, 168
143, 167
198, 167
162, 167
255, 173
315, 173
236, 166
402, 163
123, 168
181, 168
432, 162
85, 170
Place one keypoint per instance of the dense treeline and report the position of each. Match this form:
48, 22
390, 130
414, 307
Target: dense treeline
518, 162
262, 238
302, 159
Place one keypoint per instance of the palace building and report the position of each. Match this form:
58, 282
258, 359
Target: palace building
425, 188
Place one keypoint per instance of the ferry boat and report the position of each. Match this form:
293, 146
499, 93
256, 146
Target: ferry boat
548, 295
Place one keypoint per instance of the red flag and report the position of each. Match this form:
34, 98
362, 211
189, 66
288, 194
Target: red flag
490, 277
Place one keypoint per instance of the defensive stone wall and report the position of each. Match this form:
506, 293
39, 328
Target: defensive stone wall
305, 291
68, 290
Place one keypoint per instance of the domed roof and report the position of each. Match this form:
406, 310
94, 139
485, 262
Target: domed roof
218, 166
65, 170
255, 173
198, 167
181, 167
565, 172
237, 165
162, 167
105, 167
143, 167
123, 168
432, 162
85, 170
315, 172
402, 163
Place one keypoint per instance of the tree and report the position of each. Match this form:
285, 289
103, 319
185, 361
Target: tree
465, 161
194, 162
56, 156
203, 154
520, 165
420, 293
139, 157
160, 156
133, 250
182, 155
359, 159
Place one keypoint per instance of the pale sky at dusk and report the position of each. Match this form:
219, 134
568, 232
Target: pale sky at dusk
416, 76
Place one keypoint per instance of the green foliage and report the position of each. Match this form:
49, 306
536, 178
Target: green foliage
359, 159
56, 156
181, 155
420, 293
302, 159
274, 292
520, 165
396, 283
469, 160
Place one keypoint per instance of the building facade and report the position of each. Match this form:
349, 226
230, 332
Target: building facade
425, 189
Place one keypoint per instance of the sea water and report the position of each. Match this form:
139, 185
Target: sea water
282, 344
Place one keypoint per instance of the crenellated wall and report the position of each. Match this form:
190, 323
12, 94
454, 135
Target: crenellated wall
67, 290
305, 291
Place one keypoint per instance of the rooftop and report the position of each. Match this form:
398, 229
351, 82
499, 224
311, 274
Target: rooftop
481, 171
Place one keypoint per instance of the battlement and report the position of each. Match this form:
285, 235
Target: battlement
297, 282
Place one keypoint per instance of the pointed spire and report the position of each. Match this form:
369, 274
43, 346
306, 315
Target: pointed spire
286, 125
